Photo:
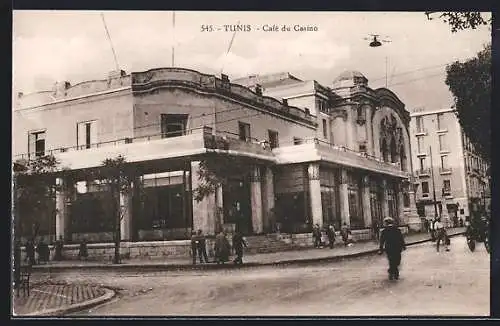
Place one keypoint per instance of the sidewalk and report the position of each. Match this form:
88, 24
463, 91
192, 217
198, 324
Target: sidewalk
308, 256
58, 298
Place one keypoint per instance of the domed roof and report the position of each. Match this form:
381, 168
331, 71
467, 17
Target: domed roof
349, 75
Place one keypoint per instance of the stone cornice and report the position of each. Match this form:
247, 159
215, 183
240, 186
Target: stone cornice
191, 79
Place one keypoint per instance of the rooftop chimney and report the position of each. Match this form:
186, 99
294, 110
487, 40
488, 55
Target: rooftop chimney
258, 89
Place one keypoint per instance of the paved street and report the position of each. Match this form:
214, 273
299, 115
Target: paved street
45, 296
431, 283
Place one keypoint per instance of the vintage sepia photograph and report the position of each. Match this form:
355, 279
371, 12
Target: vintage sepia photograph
250, 163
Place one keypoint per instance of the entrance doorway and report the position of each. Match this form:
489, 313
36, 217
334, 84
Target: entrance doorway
237, 205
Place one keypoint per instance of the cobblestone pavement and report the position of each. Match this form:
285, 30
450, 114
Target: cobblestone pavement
454, 283
262, 258
48, 295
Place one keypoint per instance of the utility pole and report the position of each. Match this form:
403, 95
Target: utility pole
386, 59
110, 42
433, 184
173, 36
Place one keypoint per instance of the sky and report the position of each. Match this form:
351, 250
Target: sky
50, 46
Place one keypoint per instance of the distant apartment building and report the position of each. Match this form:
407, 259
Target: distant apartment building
315, 154
447, 168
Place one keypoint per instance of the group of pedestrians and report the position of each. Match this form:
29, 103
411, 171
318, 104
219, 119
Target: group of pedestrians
222, 247
392, 242
345, 233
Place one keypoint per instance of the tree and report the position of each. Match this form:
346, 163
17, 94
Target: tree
34, 191
117, 176
461, 20
215, 171
470, 84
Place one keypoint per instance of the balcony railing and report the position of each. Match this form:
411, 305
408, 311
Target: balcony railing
423, 172
376, 162
445, 170
222, 140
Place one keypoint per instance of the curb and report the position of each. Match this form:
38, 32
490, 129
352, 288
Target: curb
178, 267
107, 296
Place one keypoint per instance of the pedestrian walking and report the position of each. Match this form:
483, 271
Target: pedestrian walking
330, 232
194, 247
222, 248
17, 263
392, 242
202, 247
43, 251
59, 246
345, 232
83, 252
441, 235
376, 231
432, 229
238, 244
30, 252
316, 233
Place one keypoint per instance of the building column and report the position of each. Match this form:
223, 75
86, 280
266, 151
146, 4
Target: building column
268, 200
351, 139
256, 200
126, 214
369, 131
385, 199
204, 210
344, 198
219, 208
315, 193
367, 214
63, 195
401, 215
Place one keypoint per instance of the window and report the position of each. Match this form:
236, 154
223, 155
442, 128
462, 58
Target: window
244, 131
325, 129
442, 142
444, 161
273, 138
406, 199
425, 187
440, 122
420, 124
297, 141
37, 143
360, 114
422, 163
446, 187
86, 134
173, 125
420, 144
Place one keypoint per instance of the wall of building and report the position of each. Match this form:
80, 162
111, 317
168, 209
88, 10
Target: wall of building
200, 107
452, 148
113, 112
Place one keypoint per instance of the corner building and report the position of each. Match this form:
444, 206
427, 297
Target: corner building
314, 154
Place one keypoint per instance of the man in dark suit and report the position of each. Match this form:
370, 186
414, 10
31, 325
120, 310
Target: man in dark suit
202, 247
238, 244
392, 242
194, 246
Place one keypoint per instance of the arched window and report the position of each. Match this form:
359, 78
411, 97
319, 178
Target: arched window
403, 157
394, 152
384, 150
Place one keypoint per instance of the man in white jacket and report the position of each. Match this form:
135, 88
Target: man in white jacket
441, 234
